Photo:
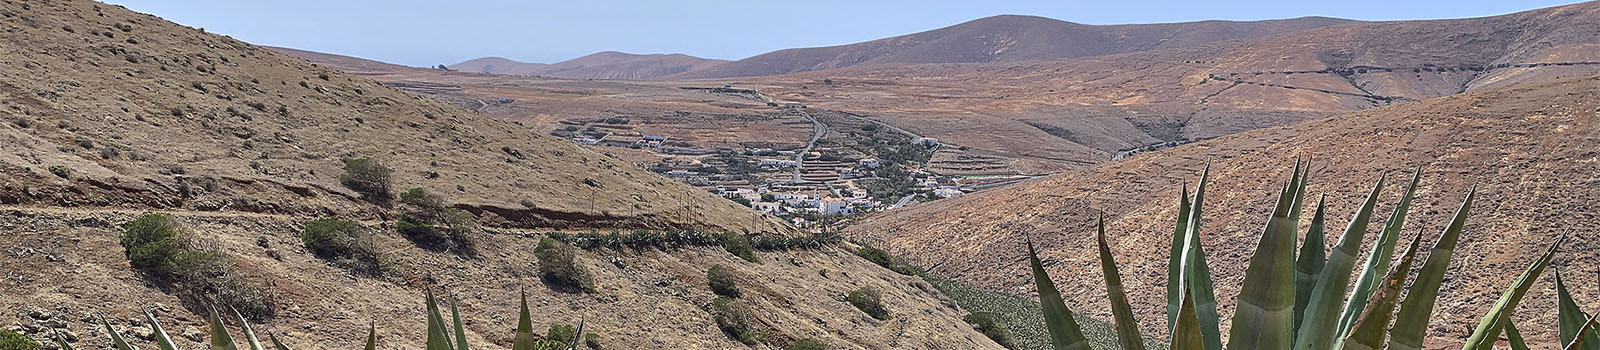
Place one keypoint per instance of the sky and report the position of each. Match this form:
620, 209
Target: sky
427, 33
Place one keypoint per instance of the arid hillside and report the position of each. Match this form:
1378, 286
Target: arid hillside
1093, 109
106, 114
1530, 149
603, 65
1006, 38
146, 114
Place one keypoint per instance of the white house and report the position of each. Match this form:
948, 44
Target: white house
947, 193
830, 206
765, 207
870, 163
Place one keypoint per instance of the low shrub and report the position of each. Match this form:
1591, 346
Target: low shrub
558, 266
167, 253
561, 332
735, 320
882, 258
807, 344
989, 325
739, 245
16, 341
342, 242
722, 281
61, 171
433, 224
779, 243
368, 177
868, 301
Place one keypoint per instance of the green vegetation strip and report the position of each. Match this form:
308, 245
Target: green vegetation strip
1023, 318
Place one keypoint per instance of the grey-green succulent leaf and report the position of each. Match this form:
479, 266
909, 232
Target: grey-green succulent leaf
1377, 259
524, 337
461, 332
1514, 336
1308, 264
1127, 328
1064, 331
1571, 317
163, 341
1187, 334
249, 333
1412, 323
116, 339
220, 340
276, 345
1196, 274
1373, 324
372, 337
1493, 323
61, 340
1264, 317
1588, 326
1175, 291
1319, 328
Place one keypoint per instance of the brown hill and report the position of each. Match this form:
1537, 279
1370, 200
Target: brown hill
603, 65
1007, 38
499, 65
108, 113
1087, 110
1530, 149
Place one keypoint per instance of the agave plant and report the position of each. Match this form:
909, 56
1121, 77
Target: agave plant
1298, 299
441, 336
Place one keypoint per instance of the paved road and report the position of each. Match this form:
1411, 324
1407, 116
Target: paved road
817, 130
903, 201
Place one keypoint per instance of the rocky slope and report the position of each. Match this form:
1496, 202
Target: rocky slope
1529, 148
138, 109
106, 114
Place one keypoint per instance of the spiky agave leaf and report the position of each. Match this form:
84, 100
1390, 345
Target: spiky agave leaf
1308, 264
1175, 289
249, 333
1196, 274
1318, 330
1064, 331
461, 332
1264, 317
1187, 334
163, 341
1514, 336
1493, 323
1371, 327
220, 340
116, 339
578, 334
1127, 329
1377, 259
524, 337
372, 336
61, 340
276, 345
1412, 322
1571, 317
438, 336
1588, 326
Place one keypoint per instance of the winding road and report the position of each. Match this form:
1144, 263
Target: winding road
817, 129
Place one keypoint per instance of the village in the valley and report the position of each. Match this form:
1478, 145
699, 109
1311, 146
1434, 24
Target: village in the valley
860, 167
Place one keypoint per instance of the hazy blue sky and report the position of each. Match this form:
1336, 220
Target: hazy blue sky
421, 33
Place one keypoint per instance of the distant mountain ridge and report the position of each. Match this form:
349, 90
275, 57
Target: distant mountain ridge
1009, 38
601, 65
